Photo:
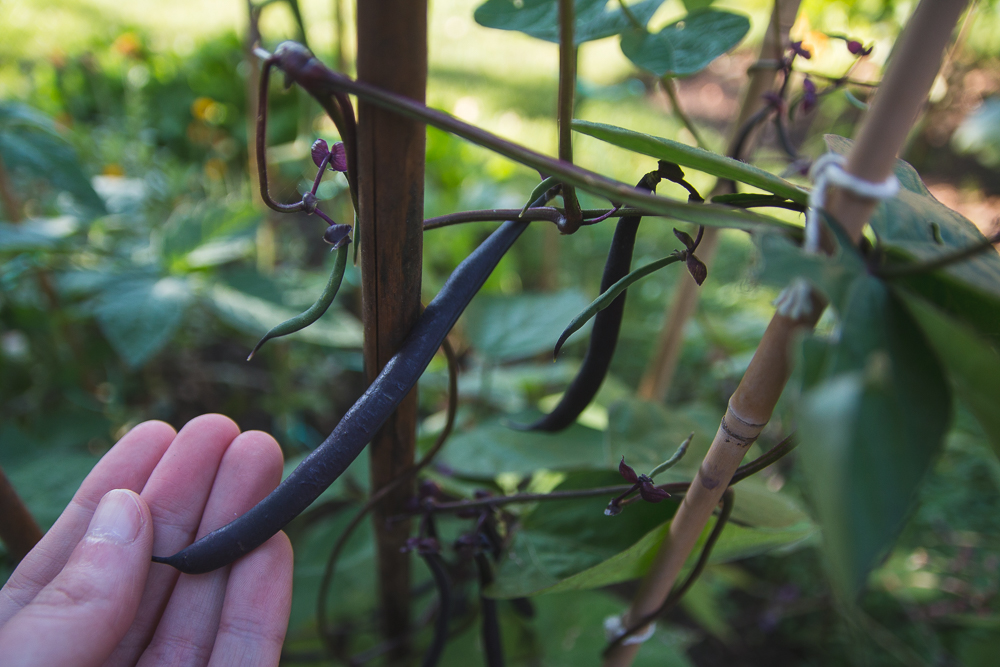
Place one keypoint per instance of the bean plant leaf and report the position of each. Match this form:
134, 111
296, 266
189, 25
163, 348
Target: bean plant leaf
492, 447
695, 158
874, 418
688, 45
504, 328
139, 316
36, 234
255, 316
545, 556
914, 226
972, 364
30, 143
595, 19
608, 297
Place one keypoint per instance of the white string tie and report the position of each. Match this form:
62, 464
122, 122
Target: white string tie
615, 628
794, 301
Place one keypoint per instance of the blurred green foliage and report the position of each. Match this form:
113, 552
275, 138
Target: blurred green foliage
145, 271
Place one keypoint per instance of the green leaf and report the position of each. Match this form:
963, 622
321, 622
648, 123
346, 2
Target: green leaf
646, 433
609, 295
688, 45
781, 261
504, 328
540, 18
543, 561
561, 538
695, 158
207, 235
492, 448
36, 234
44, 154
139, 316
914, 226
46, 484
874, 422
254, 316
973, 366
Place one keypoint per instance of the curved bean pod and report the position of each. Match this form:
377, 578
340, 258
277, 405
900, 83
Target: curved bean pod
608, 297
356, 429
315, 311
607, 324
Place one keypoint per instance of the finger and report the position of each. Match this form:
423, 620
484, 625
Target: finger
80, 616
258, 603
127, 465
250, 469
176, 493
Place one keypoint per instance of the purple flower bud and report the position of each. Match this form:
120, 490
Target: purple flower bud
697, 269
319, 151
857, 48
799, 50
684, 238
809, 96
337, 235
650, 493
338, 161
613, 508
429, 489
627, 472
775, 100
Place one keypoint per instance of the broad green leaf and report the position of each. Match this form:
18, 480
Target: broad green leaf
608, 296
206, 235
47, 156
685, 46
972, 365
353, 584
46, 487
139, 316
647, 433
595, 19
504, 328
695, 158
781, 261
874, 423
36, 234
915, 226
545, 555
561, 538
337, 328
492, 448
565, 631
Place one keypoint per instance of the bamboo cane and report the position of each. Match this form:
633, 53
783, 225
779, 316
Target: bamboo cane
911, 72
656, 382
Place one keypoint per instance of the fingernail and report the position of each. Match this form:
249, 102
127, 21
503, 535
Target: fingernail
118, 519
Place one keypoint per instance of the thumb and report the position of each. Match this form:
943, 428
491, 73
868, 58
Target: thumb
84, 612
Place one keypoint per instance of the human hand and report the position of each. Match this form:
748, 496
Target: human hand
88, 594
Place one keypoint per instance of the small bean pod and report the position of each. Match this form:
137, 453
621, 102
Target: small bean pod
359, 425
315, 311
607, 323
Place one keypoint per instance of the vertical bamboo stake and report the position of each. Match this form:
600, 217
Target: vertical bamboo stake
392, 54
18, 529
901, 95
656, 382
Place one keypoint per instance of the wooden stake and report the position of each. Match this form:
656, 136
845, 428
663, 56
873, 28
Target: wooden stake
882, 134
656, 382
392, 54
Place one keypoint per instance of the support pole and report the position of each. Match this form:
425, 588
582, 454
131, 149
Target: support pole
392, 54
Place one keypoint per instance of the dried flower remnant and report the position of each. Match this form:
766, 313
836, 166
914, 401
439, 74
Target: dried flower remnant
642, 483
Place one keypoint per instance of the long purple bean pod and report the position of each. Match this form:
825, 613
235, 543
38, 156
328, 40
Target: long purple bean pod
607, 324
358, 426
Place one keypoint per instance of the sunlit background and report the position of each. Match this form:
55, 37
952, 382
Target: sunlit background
137, 270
